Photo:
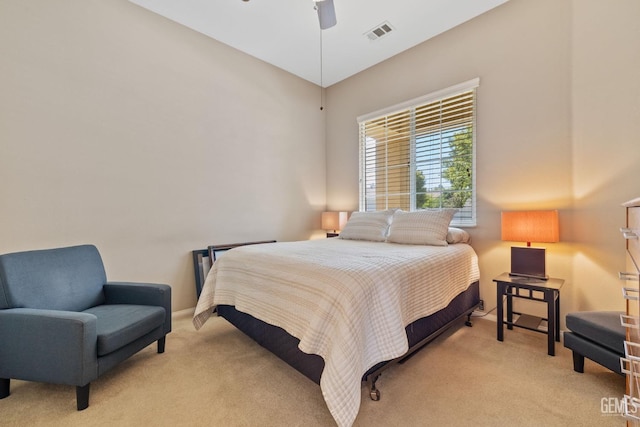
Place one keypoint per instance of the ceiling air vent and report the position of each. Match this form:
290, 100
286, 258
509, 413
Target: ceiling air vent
379, 31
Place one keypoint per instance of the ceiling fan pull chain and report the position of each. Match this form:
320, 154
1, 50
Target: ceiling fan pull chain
321, 84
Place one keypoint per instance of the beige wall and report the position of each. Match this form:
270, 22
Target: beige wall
558, 124
125, 130
606, 141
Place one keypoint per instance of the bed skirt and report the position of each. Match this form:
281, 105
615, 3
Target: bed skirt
285, 346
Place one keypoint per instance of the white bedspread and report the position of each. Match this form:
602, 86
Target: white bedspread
347, 301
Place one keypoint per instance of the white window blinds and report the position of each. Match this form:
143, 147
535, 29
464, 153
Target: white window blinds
421, 154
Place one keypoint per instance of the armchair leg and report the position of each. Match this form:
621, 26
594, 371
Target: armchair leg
4, 387
161, 342
82, 396
578, 362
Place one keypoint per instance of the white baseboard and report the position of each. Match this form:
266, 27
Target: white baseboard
489, 316
185, 312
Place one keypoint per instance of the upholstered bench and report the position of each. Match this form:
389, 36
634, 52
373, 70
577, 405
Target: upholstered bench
596, 335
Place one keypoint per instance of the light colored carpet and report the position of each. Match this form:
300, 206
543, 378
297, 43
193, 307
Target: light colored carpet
219, 377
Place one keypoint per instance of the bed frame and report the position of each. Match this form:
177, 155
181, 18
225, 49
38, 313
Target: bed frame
419, 333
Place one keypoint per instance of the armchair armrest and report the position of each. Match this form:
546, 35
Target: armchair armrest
48, 345
140, 294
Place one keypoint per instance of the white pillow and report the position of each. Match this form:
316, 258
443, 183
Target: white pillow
457, 235
423, 227
372, 226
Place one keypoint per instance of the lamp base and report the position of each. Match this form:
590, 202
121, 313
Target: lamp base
528, 262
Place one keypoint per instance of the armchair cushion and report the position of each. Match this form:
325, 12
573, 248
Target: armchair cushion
142, 294
121, 324
68, 279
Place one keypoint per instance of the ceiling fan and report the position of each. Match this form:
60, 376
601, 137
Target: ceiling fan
326, 13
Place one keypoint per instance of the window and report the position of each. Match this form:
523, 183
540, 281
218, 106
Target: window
421, 154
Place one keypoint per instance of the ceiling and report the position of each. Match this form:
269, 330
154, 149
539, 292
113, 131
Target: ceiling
286, 33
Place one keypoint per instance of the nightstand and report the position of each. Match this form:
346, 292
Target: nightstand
547, 291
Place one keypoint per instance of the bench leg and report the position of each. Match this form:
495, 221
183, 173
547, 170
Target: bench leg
4, 387
578, 362
82, 396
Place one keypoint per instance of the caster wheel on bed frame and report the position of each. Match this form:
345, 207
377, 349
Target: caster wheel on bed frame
374, 393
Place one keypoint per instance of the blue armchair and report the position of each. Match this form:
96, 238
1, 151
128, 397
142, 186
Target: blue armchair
61, 321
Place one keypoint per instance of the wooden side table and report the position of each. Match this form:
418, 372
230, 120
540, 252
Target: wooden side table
547, 291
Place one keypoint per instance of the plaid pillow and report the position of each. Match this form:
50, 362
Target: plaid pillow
372, 226
424, 227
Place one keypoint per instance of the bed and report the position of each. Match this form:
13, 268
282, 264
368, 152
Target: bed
339, 310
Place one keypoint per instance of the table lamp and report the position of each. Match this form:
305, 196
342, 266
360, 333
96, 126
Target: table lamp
530, 226
333, 222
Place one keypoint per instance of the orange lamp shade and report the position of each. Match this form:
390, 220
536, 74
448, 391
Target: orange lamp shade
334, 220
531, 226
